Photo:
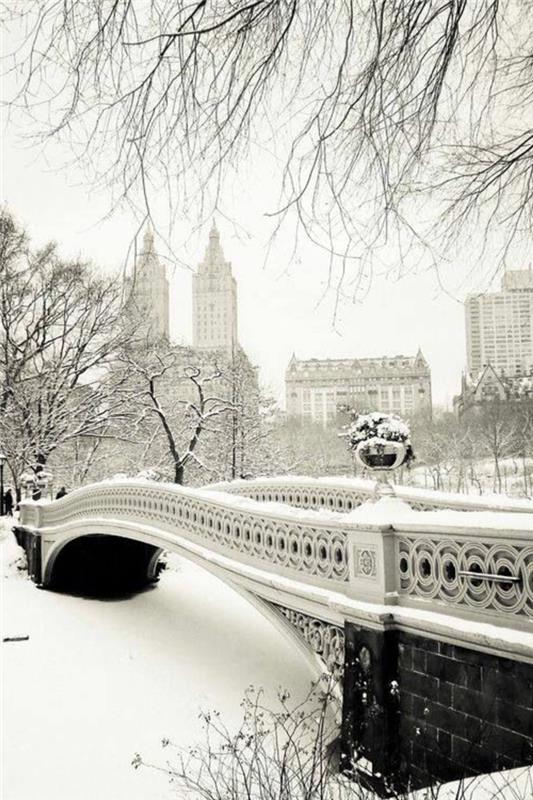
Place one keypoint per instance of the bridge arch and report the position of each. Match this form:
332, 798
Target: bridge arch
103, 565
121, 535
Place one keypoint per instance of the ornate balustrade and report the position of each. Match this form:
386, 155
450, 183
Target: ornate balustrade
310, 546
344, 494
326, 640
475, 565
486, 569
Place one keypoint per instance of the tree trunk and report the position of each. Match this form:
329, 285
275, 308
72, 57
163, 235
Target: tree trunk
179, 474
40, 463
524, 470
497, 475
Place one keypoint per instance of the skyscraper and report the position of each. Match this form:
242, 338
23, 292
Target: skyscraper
214, 293
499, 327
147, 298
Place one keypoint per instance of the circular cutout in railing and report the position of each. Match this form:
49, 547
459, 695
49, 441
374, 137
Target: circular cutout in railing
450, 571
504, 586
425, 567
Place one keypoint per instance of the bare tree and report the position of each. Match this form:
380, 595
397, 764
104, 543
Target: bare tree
494, 427
366, 108
182, 394
60, 330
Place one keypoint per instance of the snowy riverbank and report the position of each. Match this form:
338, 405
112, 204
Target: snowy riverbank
98, 681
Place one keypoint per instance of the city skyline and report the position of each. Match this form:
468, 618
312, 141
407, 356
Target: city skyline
315, 389
422, 309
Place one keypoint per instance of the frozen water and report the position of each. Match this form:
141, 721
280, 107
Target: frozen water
98, 681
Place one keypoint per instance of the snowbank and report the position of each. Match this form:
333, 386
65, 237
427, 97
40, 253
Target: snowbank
12, 558
98, 681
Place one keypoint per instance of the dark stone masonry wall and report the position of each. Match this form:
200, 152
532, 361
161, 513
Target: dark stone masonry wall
462, 711
424, 711
31, 544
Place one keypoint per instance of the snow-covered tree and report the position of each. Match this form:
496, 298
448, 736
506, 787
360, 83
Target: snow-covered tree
178, 398
243, 449
60, 330
495, 430
195, 415
303, 447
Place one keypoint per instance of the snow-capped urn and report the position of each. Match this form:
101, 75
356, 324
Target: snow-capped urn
380, 441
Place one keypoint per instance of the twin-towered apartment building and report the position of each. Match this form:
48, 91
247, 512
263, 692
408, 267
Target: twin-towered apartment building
214, 297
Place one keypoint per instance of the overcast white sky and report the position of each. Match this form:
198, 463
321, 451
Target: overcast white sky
281, 309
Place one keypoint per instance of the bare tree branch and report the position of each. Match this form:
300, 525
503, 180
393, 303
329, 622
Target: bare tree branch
367, 109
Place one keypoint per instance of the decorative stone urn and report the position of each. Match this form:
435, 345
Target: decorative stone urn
377, 454
380, 457
380, 443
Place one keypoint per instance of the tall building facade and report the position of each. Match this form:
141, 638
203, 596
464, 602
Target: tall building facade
214, 297
147, 294
499, 327
317, 389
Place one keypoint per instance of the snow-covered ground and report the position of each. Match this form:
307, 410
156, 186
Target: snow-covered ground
98, 681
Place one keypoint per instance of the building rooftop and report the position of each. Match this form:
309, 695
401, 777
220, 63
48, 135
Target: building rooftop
364, 366
512, 280
518, 279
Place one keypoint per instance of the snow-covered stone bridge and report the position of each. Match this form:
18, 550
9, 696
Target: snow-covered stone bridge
421, 605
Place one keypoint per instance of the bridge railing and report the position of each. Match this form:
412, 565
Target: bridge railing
477, 565
295, 543
481, 563
345, 494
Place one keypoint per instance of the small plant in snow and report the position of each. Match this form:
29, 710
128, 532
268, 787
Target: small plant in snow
288, 750
285, 750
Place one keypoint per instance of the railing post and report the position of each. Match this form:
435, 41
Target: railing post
372, 564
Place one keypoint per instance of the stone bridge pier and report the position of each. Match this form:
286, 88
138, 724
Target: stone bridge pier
425, 617
424, 710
